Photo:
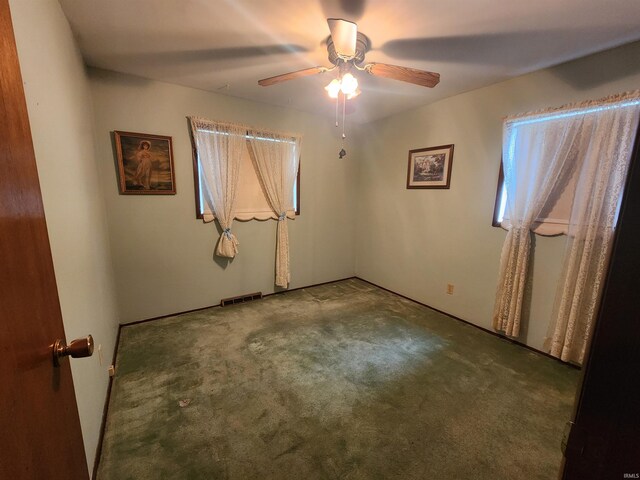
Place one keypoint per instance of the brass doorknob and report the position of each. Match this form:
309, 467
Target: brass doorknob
78, 348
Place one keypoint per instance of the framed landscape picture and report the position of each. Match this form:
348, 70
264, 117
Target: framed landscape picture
145, 164
430, 167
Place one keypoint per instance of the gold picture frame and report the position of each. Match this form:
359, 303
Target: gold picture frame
145, 164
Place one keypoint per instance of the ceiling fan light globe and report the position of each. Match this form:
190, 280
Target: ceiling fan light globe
333, 89
354, 94
349, 84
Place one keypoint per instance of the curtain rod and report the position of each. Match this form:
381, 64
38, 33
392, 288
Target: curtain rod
250, 130
601, 102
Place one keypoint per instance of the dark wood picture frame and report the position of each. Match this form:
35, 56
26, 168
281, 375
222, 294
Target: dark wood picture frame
145, 164
430, 167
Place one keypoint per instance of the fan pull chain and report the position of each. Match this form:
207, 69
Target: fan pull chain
344, 109
342, 152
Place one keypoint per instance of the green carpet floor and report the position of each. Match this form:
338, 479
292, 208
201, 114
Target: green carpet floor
340, 381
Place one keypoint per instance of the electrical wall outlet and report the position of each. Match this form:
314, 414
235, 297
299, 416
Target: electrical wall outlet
449, 289
112, 370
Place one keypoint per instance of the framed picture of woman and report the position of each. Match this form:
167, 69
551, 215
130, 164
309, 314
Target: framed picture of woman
145, 164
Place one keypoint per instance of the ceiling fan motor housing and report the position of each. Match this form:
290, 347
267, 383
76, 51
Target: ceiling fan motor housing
363, 45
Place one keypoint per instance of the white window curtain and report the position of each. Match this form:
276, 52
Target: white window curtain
220, 147
534, 154
605, 145
276, 158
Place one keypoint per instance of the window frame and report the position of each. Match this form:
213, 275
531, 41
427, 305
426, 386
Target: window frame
196, 181
499, 193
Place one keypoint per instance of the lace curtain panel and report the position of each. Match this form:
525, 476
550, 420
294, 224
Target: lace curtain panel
219, 146
539, 150
276, 159
529, 185
606, 142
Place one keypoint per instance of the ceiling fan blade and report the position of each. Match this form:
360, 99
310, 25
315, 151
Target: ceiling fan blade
265, 82
344, 35
404, 74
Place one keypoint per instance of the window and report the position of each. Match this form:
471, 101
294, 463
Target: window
251, 202
554, 218
555, 215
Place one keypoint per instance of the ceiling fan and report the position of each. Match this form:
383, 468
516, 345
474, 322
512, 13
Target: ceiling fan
346, 48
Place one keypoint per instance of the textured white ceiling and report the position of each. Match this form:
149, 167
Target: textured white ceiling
226, 46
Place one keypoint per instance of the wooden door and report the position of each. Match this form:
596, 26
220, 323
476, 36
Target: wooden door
40, 435
605, 440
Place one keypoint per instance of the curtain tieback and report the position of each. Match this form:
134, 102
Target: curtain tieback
282, 216
227, 233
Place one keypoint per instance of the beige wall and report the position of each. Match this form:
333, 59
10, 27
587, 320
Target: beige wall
163, 256
59, 105
416, 241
